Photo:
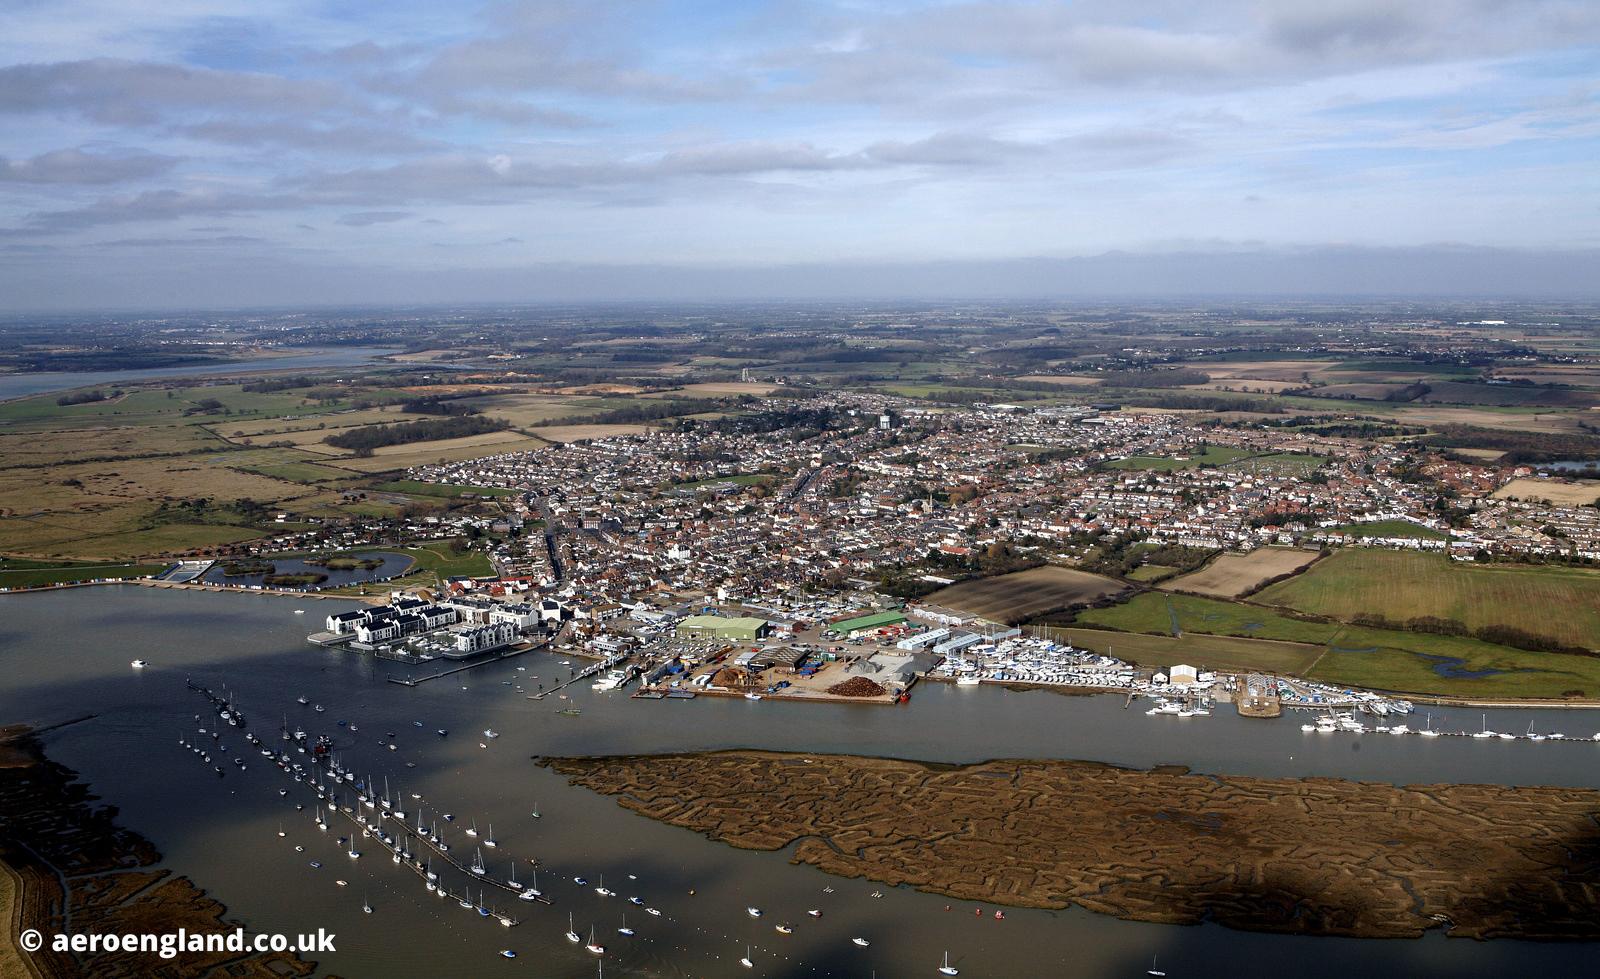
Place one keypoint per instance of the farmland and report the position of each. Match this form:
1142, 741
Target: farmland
1558, 491
1351, 655
1024, 594
1401, 585
1231, 575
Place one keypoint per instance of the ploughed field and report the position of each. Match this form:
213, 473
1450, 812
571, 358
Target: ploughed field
1313, 856
1231, 575
1024, 594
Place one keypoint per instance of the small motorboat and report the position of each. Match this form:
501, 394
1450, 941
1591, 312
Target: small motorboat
653, 912
753, 912
785, 930
861, 941
316, 865
506, 953
815, 913
139, 664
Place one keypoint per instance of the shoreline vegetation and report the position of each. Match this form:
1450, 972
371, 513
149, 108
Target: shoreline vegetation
65, 865
1163, 845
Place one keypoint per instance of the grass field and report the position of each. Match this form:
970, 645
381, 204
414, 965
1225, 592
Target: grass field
414, 487
1357, 655
1151, 572
1023, 594
1231, 575
31, 574
1214, 455
1561, 603
437, 557
1215, 652
1390, 528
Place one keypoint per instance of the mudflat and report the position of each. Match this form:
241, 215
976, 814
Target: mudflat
1310, 856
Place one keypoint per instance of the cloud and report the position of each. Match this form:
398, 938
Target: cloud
119, 92
76, 166
362, 219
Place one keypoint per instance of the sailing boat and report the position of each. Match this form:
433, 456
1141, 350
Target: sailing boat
572, 936
477, 864
947, 969
366, 906
593, 945
533, 889
1153, 970
602, 890
490, 840
473, 829
625, 930
746, 960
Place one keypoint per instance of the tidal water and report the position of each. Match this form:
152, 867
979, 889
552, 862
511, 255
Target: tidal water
66, 654
28, 385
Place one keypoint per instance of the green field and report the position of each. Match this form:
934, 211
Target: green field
1216, 652
436, 556
414, 487
1390, 528
1560, 603
1151, 572
1214, 455
1361, 656
16, 573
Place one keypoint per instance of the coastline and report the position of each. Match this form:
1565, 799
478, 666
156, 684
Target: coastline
68, 867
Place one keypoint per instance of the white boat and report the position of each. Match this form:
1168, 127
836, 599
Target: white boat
625, 930
602, 890
746, 960
506, 953
139, 664
785, 930
968, 681
656, 914
1153, 970
753, 912
489, 841
861, 941
752, 696
490, 733
947, 969
815, 913
572, 936
593, 945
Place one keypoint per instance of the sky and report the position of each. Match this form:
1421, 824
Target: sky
284, 152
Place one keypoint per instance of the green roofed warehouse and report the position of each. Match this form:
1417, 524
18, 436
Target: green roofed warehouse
864, 623
732, 628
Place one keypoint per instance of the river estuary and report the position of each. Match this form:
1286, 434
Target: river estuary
65, 654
